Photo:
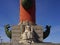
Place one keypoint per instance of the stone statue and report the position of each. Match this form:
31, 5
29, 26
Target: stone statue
27, 35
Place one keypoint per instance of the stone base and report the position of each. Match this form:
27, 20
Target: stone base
32, 44
16, 33
42, 44
46, 43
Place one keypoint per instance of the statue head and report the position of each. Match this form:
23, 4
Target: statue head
28, 28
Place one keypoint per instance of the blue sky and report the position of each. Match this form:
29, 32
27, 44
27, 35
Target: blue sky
47, 12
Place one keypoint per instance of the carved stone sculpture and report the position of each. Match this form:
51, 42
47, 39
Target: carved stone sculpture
27, 35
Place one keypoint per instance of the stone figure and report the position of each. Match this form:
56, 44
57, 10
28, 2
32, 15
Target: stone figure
27, 35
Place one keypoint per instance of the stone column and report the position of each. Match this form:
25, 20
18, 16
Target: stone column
27, 10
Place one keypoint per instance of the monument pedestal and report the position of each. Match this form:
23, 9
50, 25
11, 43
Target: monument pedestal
46, 43
16, 34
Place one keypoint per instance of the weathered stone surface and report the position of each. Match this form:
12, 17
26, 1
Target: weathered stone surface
32, 44
42, 44
16, 36
16, 33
